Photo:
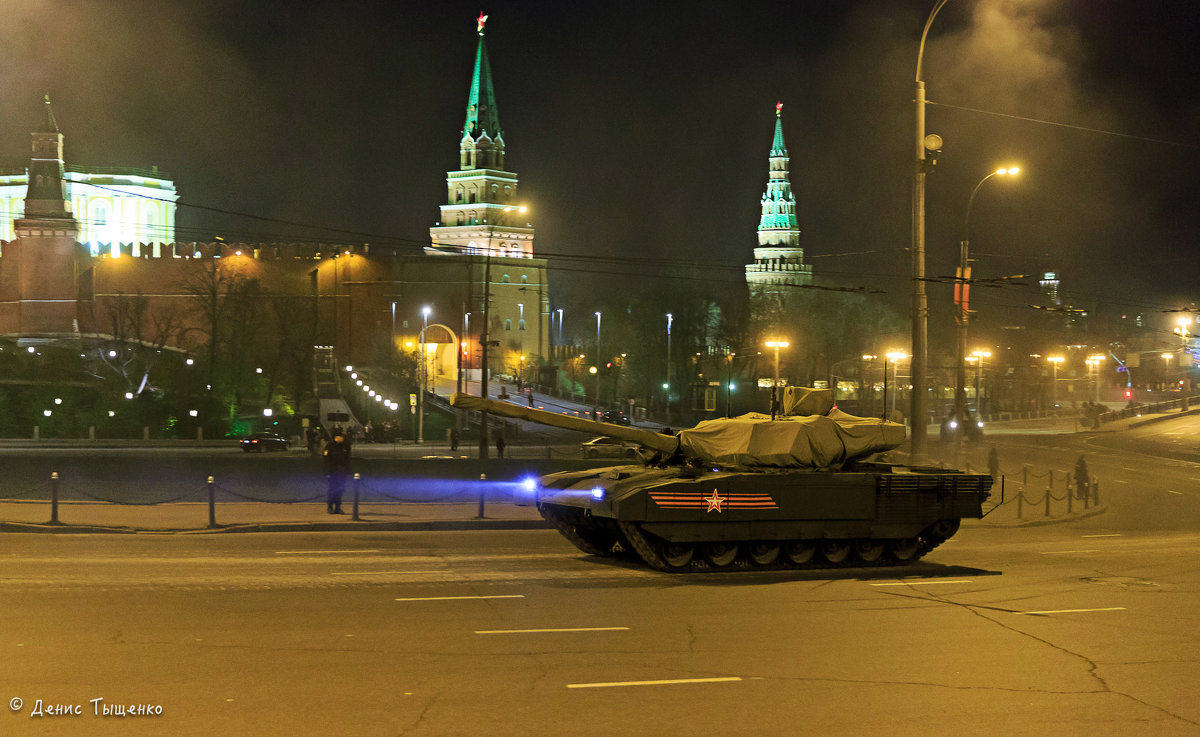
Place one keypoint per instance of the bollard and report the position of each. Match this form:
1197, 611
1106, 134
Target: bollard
1050, 475
1024, 475
54, 498
1047, 502
1086, 498
1096, 492
1021, 502
212, 504
482, 491
1069, 495
355, 515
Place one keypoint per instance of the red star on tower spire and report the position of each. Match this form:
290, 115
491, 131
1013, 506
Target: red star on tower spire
778, 109
479, 22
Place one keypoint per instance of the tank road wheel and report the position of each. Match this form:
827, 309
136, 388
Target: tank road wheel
869, 551
799, 552
904, 550
721, 554
835, 551
764, 554
677, 556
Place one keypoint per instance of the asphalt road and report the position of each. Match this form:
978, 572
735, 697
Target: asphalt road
1082, 628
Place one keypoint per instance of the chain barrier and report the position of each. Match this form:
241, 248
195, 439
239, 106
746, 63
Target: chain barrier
368, 490
250, 498
1089, 495
94, 497
26, 492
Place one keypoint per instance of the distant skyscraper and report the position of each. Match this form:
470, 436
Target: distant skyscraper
482, 215
779, 259
1049, 284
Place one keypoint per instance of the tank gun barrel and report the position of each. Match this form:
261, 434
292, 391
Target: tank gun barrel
667, 444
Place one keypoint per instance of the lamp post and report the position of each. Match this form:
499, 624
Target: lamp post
1094, 362
560, 327
862, 373
776, 344
425, 311
896, 357
1184, 322
979, 357
962, 286
729, 382
599, 357
920, 309
1055, 361
667, 385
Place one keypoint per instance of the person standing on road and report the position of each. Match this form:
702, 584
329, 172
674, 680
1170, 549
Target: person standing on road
500, 445
337, 468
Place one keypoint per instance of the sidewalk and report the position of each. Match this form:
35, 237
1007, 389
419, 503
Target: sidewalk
192, 517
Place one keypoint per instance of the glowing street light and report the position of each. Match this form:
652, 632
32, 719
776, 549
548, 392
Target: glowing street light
1094, 362
776, 343
1055, 361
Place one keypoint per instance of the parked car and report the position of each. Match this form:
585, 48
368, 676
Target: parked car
262, 442
608, 447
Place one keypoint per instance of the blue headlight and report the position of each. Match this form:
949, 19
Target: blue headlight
597, 493
529, 483
953, 424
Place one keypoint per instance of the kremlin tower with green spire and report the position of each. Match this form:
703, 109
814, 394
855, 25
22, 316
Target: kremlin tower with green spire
779, 259
482, 215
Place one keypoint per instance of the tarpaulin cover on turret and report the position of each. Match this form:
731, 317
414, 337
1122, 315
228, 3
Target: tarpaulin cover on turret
828, 438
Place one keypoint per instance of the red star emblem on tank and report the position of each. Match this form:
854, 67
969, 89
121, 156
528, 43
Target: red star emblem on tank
714, 502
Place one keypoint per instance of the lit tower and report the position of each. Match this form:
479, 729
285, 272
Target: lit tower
779, 259
482, 214
50, 265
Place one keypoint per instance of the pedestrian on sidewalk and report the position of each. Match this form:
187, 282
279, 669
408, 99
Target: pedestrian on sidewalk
453, 438
337, 469
1083, 480
500, 445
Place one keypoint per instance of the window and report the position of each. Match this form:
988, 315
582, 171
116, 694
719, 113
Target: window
504, 278
521, 325
524, 278
508, 324
471, 197
458, 195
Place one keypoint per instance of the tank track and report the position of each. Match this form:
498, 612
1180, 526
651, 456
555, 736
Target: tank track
649, 551
592, 542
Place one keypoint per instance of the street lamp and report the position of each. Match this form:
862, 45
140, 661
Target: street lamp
862, 379
599, 354
896, 357
962, 286
667, 385
979, 356
776, 344
1094, 362
1184, 322
425, 312
1055, 361
920, 310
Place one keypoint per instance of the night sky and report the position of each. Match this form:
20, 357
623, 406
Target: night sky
642, 129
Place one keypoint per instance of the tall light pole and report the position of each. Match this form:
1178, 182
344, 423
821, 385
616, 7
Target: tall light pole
425, 311
667, 386
599, 358
1094, 362
920, 308
863, 377
776, 344
1055, 361
962, 287
896, 357
1184, 322
979, 356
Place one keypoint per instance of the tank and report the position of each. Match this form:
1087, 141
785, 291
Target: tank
803, 490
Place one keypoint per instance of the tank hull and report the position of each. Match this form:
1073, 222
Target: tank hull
874, 514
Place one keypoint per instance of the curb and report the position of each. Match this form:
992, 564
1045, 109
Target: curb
415, 526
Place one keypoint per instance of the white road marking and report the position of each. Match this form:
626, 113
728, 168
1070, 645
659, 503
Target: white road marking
1131, 470
1107, 534
323, 552
554, 629
917, 583
1121, 481
453, 598
1072, 611
1066, 552
652, 683
1178, 493
381, 573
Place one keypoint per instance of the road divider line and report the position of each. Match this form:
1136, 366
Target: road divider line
918, 583
324, 552
1067, 552
1107, 534
1177, 493
454, 598
1121, 481
616, 684
1072, 611
552, 629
